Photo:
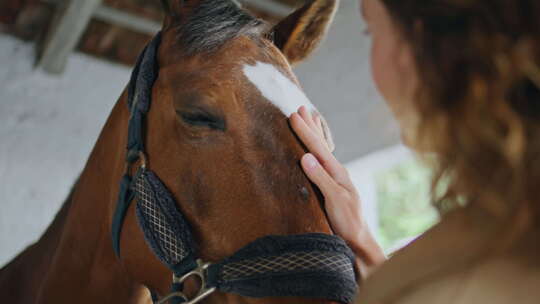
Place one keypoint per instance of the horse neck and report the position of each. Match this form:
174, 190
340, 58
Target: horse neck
74, 260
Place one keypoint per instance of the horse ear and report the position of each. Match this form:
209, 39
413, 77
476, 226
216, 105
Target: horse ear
299, 34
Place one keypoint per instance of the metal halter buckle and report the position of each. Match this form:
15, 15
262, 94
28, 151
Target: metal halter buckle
204, 291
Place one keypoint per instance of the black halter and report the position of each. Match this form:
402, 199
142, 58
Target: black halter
308, 265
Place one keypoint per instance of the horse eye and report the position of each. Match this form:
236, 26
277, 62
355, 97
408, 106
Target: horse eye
201, 119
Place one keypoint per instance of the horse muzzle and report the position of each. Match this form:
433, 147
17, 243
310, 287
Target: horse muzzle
307, 265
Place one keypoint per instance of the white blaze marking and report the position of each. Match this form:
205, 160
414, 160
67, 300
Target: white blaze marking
277, 88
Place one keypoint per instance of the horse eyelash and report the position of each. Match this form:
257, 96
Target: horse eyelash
203, 120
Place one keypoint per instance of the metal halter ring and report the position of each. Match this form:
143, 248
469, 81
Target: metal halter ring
137, 155
204, 291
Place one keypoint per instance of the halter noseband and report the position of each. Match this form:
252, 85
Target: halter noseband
308, 265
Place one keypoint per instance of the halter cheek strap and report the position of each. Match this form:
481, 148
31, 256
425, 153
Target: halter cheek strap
140, 86
308, 265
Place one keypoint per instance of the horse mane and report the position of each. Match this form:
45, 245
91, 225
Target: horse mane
214, 22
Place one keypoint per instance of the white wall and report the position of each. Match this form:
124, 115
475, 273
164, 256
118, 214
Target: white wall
48, 126
338, 80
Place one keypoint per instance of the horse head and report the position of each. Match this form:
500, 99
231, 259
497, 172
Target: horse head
218, 137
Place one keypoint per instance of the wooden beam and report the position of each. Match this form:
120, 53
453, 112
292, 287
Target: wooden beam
73, 17
70, 22
126, 20
120, 18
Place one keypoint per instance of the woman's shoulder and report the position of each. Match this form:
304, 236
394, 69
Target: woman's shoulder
497, 280
455, 260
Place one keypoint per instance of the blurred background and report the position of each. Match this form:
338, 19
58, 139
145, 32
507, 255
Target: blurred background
63, 64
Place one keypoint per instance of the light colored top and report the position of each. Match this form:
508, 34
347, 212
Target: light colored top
457, 262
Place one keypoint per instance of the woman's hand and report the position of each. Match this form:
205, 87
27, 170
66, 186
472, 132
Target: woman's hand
342, 202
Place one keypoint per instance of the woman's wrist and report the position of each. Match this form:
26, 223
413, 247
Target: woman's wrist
369, 255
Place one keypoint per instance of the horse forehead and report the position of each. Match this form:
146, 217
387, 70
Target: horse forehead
277, 88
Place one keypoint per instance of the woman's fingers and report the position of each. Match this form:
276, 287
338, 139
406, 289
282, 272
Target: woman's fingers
313, 121
318, 123
307, 117
310, 138
316, 145
318, 175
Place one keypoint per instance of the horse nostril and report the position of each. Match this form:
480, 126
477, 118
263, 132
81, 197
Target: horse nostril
304, 192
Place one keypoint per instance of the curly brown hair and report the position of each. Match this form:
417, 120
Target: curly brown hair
479, 103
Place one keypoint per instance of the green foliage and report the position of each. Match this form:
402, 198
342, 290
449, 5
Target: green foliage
405, 210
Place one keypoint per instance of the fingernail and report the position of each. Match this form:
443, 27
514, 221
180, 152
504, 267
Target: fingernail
310, 161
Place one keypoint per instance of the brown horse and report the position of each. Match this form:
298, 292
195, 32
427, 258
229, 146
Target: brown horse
218, 137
